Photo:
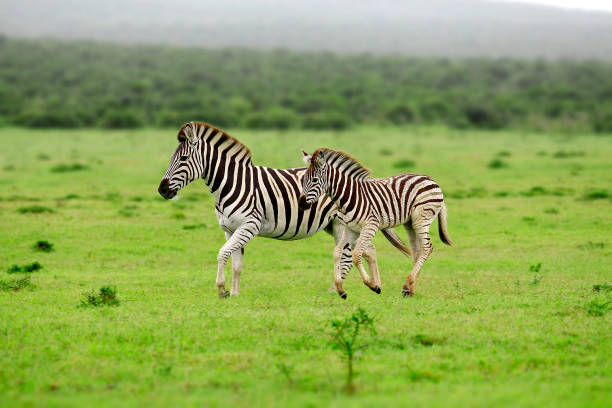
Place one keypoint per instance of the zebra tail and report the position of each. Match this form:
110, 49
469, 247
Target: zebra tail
395, 240
442, 227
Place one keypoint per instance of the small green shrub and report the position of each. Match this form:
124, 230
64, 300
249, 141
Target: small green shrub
595, 308
562, 154
43, 246
15, 285
404, 164
28, 268
536, 267
603, 287
425, 340
596, 195
592, 245
34, 209
194, 226
344, 338
68, 168
106, 296
497, 164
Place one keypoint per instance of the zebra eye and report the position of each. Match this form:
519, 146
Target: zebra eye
315, 179
183, 158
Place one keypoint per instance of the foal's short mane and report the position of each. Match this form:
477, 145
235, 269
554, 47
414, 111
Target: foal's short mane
343, 161
218, 135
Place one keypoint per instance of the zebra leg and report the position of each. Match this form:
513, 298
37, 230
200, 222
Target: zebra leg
363, 242
421, 247
237, 257
341, 254
236, 242
370, 256
345, 258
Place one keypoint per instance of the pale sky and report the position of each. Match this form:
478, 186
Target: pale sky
576, 4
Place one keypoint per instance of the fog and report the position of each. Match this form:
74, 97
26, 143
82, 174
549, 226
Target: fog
420, 28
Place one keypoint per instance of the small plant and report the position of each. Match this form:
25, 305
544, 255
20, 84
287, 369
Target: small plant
43, 246
34, 209
286, 370
404, 164
344, 337
603, 287
66, 168
106, 296
562, 154
595, 308
536, 280
596, 195
194, 226
535, 268
179, 215
497, 164
425, 340
29, 268
15, 285
504, 153
592, 245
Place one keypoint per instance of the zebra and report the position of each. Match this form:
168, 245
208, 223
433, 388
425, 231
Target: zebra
250, 200
368, 204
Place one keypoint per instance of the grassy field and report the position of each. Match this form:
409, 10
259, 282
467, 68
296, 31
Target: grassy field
506, 317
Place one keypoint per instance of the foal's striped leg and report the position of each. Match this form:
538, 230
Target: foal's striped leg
363, 242
418, 233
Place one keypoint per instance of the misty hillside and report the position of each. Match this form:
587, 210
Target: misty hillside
420, 27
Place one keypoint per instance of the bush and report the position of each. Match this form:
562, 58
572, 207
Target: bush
482, 116
28, 268
274, 118
15, 285
106, 296
400, 114
120, 119
334, 121
43, 246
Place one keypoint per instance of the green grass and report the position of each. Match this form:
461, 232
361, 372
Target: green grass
487, 326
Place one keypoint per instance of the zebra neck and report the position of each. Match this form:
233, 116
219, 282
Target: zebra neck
344, 190
227, 176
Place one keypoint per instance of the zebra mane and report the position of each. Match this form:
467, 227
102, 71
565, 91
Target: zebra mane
341, 161
210, 133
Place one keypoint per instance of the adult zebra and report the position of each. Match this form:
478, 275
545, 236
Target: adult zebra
369, 204
250, 200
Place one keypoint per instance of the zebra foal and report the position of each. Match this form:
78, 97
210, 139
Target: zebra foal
368, 204
250, 200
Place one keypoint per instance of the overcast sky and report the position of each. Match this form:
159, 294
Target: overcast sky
581, 4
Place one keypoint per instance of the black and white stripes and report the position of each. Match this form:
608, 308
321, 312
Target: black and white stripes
368, 204
249, 200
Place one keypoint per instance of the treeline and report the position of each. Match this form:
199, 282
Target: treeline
81, 84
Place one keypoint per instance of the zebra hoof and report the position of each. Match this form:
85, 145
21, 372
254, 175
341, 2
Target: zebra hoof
342, 295
224, 295
406, 293
376, 290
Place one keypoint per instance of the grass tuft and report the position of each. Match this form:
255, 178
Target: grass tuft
602, 287
404, 164
595, 308
43, 246
592, 245
426, 340
497, 164
106, 296
596, 195
35, 209
194, 226
28, 268
562, 154
15, 285
68, 168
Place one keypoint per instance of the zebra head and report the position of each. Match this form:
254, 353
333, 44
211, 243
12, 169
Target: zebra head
314, 181
186, 162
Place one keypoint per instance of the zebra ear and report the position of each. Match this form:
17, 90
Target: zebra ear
306, 157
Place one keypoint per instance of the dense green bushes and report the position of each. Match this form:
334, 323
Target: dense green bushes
78, 84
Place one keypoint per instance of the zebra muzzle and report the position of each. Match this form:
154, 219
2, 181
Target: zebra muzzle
302, 203
164, 189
